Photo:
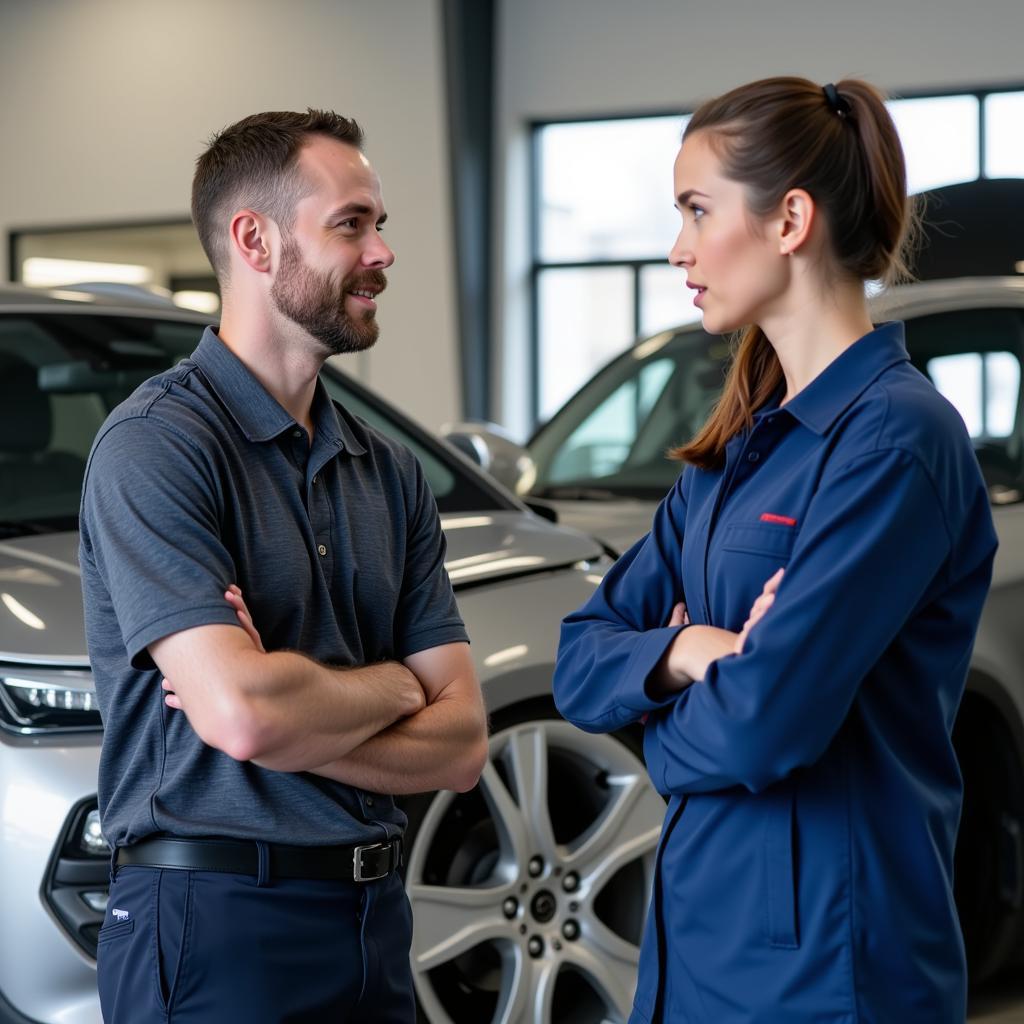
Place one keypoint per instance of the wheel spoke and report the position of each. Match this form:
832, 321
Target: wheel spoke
629, 828
448, 921
528, 990
516, 986
508, 818
528, 760
608, 963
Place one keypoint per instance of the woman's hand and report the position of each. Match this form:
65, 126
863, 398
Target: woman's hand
757, 612
234, 598
689, 656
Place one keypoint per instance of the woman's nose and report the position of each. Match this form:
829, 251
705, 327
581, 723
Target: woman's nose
680, 255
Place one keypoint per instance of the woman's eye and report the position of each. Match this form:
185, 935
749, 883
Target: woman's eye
698, 211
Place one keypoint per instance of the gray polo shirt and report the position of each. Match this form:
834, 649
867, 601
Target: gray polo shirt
200, 479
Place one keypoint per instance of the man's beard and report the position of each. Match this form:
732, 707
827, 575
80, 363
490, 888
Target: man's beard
311, 300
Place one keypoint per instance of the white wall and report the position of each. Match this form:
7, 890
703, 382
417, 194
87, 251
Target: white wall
563, 58
107, 103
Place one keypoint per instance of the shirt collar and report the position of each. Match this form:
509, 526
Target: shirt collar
259, 415
841, 383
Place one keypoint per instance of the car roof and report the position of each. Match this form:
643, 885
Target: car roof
126, 299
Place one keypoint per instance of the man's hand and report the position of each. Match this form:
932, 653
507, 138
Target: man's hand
280, 710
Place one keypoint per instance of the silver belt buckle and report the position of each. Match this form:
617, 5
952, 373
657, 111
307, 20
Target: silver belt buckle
357, 862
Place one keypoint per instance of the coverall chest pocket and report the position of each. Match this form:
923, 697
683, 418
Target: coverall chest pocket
773, 540
780, 866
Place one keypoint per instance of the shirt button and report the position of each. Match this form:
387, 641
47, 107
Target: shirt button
369, 801
322, 549
753, 456
315, 478
296, 433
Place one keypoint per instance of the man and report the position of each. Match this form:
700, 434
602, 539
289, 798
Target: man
254, 874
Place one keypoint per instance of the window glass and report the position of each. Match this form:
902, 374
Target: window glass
1004, 135
940, 139
585, 318
606, 188
613, 436
973, 357
984, 387
60, 376
665, 301
600, 444
454, 489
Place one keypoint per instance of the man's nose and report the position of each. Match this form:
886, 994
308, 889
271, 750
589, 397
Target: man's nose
378, 254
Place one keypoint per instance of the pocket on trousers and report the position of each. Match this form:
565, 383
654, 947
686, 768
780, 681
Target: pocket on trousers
172, 919
115, 930
780, 868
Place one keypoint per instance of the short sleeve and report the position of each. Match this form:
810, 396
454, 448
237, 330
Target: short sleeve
150, 531
427, 615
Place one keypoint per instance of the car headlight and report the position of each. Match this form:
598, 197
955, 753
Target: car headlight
32, 700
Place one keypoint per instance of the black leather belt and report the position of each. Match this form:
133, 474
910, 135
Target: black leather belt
365, 863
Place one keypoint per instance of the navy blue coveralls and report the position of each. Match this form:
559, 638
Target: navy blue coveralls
805, 867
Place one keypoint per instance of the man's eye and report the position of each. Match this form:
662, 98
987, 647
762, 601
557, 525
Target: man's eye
350, 223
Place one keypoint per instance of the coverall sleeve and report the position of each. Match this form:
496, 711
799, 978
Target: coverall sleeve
874, 540
610, 645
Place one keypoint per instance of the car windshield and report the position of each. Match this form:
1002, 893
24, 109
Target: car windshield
60, 376
611, 438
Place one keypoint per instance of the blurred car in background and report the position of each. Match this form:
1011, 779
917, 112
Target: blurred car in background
528, 893
600, 463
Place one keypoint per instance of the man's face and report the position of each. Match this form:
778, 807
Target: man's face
331, 265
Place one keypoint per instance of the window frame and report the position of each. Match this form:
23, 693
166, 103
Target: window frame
636, 265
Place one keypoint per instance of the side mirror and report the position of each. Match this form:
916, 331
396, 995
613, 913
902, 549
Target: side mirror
494, 452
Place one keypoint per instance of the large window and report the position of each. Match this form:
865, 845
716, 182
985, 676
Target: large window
604, 221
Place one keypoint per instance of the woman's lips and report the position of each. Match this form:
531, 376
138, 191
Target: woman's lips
697, 299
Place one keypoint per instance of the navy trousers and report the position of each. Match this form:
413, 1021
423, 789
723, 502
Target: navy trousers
203, 947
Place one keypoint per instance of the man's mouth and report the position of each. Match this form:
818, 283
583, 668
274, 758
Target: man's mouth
365, 297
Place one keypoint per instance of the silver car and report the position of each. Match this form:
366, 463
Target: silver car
599, 462
528, 892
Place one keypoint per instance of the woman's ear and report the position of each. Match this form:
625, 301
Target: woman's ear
795, 221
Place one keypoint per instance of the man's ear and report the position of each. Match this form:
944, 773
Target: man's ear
796, 218
251, 235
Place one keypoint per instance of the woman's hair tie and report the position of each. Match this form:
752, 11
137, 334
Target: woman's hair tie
836, 103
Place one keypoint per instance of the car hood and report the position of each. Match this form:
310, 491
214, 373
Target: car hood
483, 546
41, 593
618, 523
41, 601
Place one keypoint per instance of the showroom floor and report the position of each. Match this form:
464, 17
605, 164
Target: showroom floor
1000, 1003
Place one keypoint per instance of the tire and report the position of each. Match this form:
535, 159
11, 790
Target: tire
989, 866
530, 892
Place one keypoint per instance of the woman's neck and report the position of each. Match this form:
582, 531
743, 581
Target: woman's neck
815, 330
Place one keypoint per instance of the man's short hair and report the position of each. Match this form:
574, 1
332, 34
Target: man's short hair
254, 164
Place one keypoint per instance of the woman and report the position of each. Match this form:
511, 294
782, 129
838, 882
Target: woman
798, 720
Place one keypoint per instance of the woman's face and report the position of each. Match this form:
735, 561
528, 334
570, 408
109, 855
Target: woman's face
739, 276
